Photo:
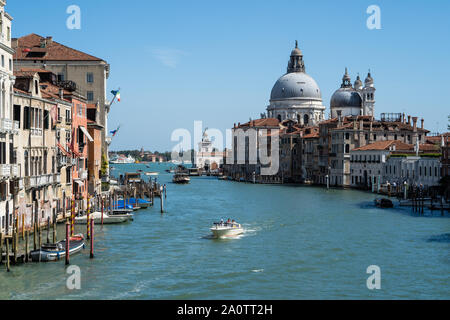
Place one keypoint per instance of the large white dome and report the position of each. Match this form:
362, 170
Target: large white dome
296, 85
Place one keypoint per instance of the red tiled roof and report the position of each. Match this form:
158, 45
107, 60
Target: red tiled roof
267, 122
53, 51
385, 145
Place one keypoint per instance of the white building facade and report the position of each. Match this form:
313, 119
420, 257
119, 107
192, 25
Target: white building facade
9, 170
207, 158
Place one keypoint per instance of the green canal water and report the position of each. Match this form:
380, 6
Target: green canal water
300, 243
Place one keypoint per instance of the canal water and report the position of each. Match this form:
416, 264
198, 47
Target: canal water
300, 243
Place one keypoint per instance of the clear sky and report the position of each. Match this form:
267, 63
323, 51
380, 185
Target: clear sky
216, 61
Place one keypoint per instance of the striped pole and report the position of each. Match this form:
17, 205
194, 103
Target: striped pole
92, 239
67, 243
102, 211
88, 221
72, 217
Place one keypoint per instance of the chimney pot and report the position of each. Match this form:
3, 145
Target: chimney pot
414, 123
422, 120
409, 119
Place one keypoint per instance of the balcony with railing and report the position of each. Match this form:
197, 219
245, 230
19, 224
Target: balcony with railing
62, 161
15, 170
56, 178
82, 174
38, 181
9, 126
5, 170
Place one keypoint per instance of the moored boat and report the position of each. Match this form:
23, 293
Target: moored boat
226, 229
56, 251
107, 219
384, 203
181, 178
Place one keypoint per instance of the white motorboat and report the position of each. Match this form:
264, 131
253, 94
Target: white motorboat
226, 229
107, 219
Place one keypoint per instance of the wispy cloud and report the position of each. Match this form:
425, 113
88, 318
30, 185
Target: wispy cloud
168, 57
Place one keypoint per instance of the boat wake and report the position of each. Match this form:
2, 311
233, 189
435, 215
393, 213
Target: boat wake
258, 270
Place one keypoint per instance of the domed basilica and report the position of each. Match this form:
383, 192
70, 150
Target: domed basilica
353, 100
296, 96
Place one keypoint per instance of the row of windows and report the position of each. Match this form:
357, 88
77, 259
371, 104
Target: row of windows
423, 171
365, 158
89, 77
10, 63
32, 117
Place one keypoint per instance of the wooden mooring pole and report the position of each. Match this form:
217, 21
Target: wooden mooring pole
40, 234
102, 204
54, 229
7, 255
161, 196
48, 229
1, 247
67, 243
27, 235
92, 238
34, 236
23, 226
88, 221
15, 239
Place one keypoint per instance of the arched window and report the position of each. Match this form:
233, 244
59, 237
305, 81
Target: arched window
279, 117
305, 119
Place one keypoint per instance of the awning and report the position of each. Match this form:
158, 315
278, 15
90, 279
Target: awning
80, 182
62, 149
86, 133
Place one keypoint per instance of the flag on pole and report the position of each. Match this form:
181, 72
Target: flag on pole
114, 132
116, 94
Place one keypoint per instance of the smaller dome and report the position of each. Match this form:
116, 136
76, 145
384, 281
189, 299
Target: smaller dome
369, 80
358, 83
296, 51
346, 97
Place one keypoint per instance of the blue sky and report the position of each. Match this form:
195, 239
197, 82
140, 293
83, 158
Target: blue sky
216, 61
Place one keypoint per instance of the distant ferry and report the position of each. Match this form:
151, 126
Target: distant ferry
123, 160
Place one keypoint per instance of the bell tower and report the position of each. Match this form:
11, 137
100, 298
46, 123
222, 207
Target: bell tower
296, 63
368, 95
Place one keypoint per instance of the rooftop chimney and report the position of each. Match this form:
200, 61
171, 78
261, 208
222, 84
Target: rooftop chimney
409, 120
421, 120
49, 40
61, 93
14, 43
414, 123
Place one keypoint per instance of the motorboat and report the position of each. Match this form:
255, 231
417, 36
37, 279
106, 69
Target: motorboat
132, 203
152, 173
181, 178
384, 203
226, 229
107, 219
56, 251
